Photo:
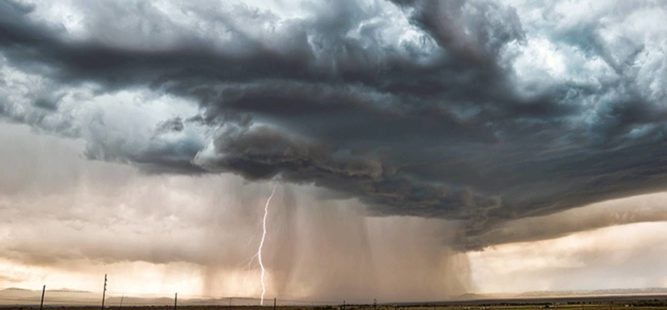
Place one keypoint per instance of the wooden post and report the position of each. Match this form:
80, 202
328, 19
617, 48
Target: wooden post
104, 291
175, 300
41, 303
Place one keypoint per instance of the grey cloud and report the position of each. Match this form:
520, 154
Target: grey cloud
475, 29
433, 126
174, 124
262, 153
636, 209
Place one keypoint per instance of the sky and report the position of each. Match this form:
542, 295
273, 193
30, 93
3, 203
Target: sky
419, 150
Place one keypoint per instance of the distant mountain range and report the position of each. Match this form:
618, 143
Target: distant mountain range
619, 291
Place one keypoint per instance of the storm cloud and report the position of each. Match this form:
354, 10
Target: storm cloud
477, 111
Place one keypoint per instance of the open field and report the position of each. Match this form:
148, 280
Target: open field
384, 307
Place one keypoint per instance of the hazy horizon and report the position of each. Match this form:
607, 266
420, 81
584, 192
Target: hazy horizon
66, 296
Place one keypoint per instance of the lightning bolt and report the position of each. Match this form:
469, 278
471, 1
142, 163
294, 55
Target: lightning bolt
261, 246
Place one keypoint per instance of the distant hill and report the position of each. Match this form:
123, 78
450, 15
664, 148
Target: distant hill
620, 291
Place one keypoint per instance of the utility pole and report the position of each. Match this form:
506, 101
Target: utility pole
175, 300
41, 303
343, 304
274, 303
230, 303
104, 291
121, 301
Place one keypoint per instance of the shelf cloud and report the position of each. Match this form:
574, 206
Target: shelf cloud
481, 112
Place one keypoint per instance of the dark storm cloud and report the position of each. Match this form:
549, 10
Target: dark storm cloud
433, 126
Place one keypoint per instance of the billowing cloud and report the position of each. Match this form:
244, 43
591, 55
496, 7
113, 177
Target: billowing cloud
477, 111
